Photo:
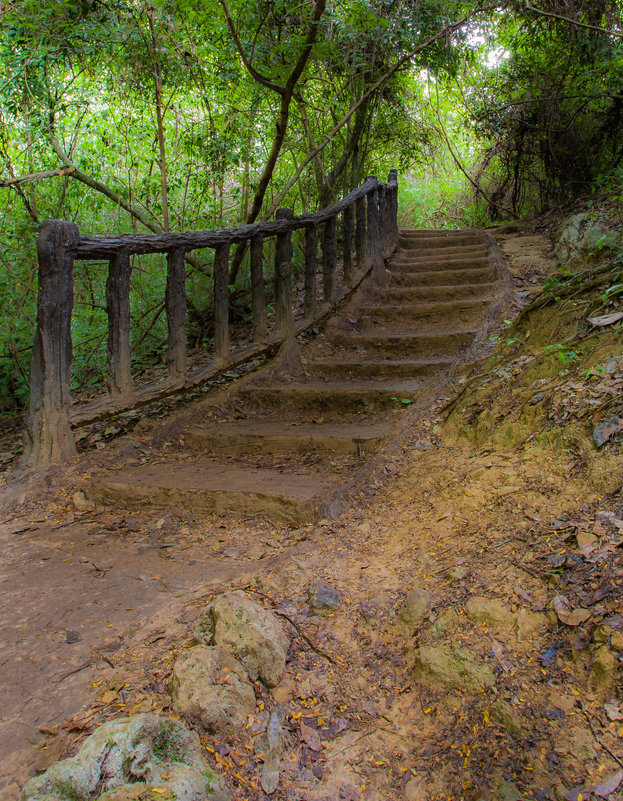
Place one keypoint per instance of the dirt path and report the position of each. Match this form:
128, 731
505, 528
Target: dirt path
485, 694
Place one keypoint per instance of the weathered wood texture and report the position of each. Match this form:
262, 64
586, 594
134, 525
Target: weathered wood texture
221, 301
175, 301
369, 217
329, 259
48, 437
258, 290
311, 259
283, 278
347, 237
118, 310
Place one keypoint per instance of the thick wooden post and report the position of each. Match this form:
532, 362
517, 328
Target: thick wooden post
374, 239
258, 293
393, 209
221, 302
347, 234
361, 236
118, 310
311, 258
175, 300
383, 232
48, 436
329, 259
283, 278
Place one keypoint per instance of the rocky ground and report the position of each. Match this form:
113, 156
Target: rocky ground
456, 635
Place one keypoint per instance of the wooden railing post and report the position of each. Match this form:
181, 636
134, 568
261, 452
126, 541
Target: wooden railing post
175, 301
48, 436
221, 302
374, 239
118, 309
393, 209
383, 233
361, 236
283, 278
258, 293
347, 257
329, 259
311, 258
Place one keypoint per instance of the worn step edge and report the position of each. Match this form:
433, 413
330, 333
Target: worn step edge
287, 506
275, 437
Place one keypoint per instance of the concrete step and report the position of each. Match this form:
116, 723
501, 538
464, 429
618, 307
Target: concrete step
435, 278
439, 293
448, 252
211, 487
252, 437
341, 395
379, 368
453, 263
420, 344
449, 314
440, 242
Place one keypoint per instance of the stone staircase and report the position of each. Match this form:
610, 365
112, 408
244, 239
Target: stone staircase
281, 444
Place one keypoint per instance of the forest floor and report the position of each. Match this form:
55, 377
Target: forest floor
504, 688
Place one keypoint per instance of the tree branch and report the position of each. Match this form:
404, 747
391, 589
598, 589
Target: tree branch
35, 176
372, 89
276, 87
571, 21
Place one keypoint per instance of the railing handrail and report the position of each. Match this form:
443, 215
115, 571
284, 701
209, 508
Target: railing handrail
97, 247
369, 233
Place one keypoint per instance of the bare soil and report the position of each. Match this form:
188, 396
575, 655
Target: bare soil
96, 604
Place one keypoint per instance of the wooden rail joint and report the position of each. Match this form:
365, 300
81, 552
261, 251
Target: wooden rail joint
368, 233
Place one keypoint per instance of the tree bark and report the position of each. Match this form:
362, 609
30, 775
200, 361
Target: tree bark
48, 436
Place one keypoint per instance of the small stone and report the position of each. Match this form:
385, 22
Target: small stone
528, 623
415, 608
415, 789
210, 687
490, 612
81, 502
502, 714
446, 621
603, 670
457, 573
452, 668
617, 640
323, 598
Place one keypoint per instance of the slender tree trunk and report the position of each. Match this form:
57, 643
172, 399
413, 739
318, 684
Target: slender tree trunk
160, 124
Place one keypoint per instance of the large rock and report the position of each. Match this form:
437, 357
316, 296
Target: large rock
210, 687
448, 667
253, 635
415, 608
125, 759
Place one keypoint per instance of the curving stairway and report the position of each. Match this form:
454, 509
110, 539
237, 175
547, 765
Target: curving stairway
280, 444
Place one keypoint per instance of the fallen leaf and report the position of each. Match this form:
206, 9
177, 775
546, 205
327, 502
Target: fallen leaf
311, 737
566, 615
606, 319
603, 789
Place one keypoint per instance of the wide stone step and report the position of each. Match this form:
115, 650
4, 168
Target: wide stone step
449, 314
253, 437
439, 292
440, 242
420, 344
335, 395
379, 368
441, 277
292, 496
422, 265
441, 253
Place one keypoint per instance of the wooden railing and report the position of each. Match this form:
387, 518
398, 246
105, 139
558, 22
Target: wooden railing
369, 233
